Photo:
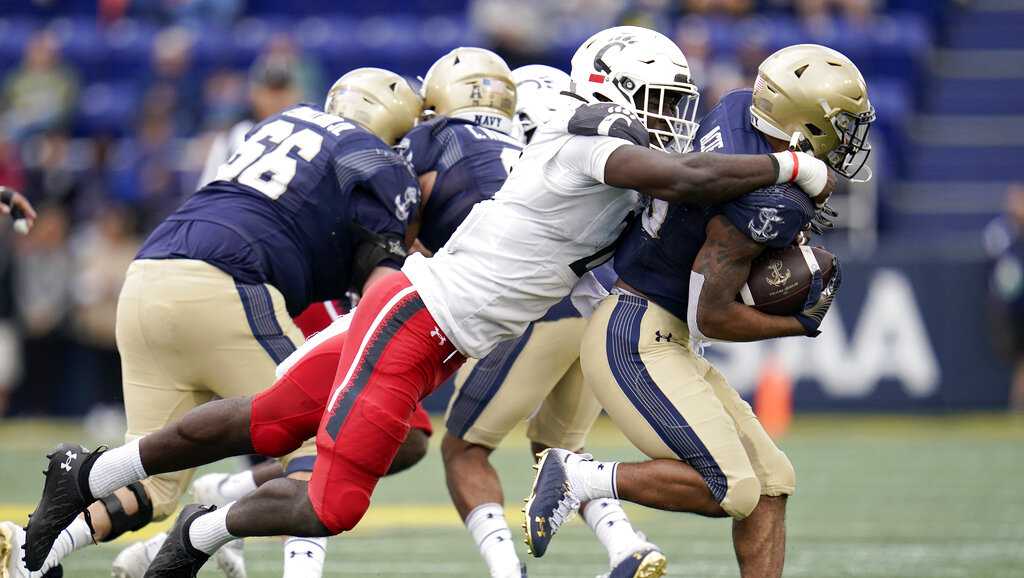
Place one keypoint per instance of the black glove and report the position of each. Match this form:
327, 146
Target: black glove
819, 300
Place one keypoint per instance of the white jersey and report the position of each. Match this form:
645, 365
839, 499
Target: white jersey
519, 253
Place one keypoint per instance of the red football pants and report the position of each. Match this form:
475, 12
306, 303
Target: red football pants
393, 356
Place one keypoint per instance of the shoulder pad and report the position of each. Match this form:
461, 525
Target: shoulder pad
608, 119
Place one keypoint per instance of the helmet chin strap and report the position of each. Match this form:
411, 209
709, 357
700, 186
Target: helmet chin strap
768, 128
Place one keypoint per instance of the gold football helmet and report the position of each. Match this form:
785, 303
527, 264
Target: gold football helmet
468, 80
815, 98
379, 100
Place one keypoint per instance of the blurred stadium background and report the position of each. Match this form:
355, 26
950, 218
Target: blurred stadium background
107, 108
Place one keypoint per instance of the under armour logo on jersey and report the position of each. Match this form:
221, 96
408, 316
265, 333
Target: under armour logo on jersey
307, 554
658, 337
66, 465
436, 334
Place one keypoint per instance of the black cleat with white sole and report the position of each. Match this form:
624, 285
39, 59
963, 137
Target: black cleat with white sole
177, 558
65, 496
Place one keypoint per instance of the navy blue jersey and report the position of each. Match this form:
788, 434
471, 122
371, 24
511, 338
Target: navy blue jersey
472, 162
286, 207
658, 251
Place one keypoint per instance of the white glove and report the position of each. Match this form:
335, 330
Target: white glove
807, 172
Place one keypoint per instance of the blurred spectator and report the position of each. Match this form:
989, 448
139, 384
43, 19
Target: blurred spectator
1004, 240
272, 88
148, 174
49, 176
734, 8
10, 165
41, 94
223, 99
174, 78
101, 252
308, 78
221, 12
10, 344
42, 300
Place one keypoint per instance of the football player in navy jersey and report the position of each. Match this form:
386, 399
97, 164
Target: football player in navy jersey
680, 270
463, 153
535, 377
312, 204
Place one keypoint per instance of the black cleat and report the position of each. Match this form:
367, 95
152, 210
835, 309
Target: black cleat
177, 558
65, 496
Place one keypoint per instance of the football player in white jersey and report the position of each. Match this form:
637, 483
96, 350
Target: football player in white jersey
558, 215
535, 377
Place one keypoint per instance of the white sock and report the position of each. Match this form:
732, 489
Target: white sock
486, 523
304, 557
611, 525
75, 537
596, 480
115, 469
236, 486
210, 531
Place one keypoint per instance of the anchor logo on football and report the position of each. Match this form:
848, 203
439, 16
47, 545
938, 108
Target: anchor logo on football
778, 273
66, 465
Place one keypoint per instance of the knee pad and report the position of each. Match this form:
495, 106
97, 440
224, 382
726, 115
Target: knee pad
742, 497
120, 521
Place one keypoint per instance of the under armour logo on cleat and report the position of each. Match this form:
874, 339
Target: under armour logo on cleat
658, 336
436, 333
540, 525
66, 465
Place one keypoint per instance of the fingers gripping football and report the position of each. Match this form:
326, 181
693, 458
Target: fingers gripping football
814, 311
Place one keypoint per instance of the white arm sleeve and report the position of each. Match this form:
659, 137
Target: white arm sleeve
337, 327
589, 154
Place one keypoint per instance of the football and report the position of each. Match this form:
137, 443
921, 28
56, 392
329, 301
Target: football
780, 279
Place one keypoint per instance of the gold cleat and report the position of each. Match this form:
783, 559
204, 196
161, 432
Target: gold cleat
652, 566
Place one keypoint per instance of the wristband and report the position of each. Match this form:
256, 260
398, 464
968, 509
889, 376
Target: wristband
788, 165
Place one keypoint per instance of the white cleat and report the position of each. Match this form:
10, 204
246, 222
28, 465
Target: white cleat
12, 538
231, 559
206, 490
134, 560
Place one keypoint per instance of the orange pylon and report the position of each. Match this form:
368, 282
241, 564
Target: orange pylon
773, 399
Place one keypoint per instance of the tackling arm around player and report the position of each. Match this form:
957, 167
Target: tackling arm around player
413, 328
680, 272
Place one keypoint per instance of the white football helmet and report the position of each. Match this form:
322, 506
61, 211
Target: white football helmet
644, 71
538, 89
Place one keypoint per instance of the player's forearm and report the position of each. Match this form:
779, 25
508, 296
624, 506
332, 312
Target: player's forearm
734, 321
711, 179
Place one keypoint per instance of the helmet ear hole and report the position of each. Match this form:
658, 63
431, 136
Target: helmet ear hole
814, 130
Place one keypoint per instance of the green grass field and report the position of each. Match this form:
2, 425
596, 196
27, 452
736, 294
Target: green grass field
893, 497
